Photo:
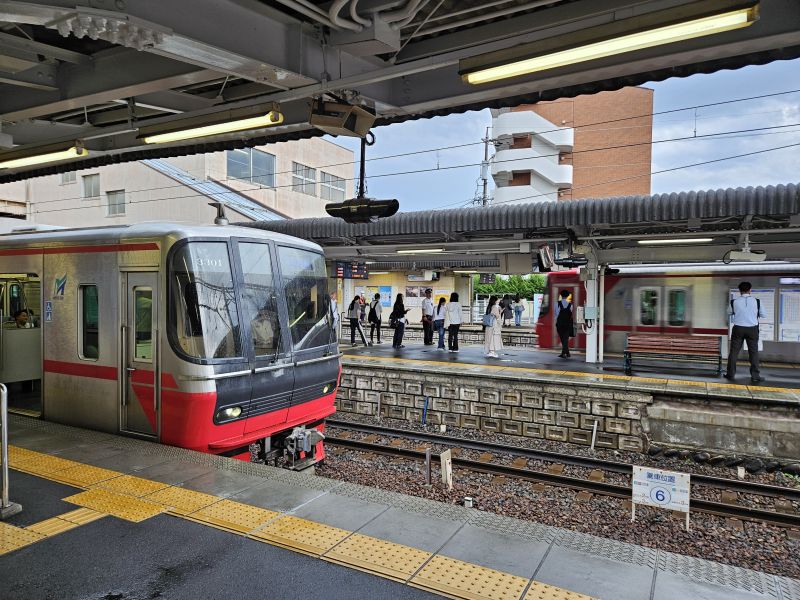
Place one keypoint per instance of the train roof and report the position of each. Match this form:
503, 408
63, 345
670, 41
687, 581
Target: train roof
148, 230
696, 269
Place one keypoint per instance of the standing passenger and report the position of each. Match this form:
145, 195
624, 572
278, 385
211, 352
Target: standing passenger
564, 323
335, 312
439, 314
427, 318
353, 313
519, 308
505, 309
374, 317
492, 329
398, 317
454, 317
745, 311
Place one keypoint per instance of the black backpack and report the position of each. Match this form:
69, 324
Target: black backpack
373, 316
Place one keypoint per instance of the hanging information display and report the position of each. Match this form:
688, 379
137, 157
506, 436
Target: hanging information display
351, 270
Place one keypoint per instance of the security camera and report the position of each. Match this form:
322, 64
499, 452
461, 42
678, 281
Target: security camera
341, 119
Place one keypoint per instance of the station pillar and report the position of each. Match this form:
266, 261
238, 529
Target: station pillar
590, 308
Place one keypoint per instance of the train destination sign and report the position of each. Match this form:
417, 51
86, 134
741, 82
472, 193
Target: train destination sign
662, 489
351, 270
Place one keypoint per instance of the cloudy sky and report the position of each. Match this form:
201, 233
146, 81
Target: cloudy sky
427, 143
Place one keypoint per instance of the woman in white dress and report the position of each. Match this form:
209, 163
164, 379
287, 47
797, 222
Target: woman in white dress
493, 333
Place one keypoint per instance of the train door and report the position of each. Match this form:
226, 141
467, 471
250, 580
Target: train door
140, 398
579, 340
266, 339
663, 309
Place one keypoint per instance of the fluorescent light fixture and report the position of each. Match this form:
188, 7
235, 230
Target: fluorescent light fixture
421, 251
621, 37
666, 242
466, 272
267, 120
39, 159
379, 272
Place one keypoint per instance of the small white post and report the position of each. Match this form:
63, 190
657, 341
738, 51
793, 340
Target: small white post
594, 434
7, 508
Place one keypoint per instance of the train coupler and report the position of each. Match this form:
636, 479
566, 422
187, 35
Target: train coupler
301, 447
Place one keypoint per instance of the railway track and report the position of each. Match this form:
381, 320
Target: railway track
720, 509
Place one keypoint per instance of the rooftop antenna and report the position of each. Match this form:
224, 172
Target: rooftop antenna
220, 219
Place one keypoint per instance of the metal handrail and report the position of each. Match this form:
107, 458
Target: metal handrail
7, 508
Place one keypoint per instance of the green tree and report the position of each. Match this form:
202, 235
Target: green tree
526, 286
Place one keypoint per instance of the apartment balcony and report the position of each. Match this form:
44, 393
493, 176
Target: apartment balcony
506, 125
506, 162
523, 194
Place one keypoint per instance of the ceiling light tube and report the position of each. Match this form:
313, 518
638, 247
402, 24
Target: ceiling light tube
666, 242
646, 35
421, 251
39, 159
378, 273
466, 272
269, 119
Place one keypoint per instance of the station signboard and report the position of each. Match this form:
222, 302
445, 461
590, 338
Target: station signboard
662, 489
351, 270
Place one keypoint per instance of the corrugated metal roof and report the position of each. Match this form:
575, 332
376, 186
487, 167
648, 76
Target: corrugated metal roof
241, 204
767, 201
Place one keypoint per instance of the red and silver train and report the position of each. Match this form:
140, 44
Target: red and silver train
682, 299
208, 338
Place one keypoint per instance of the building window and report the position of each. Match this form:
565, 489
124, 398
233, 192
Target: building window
91, 186
304, 179
252, 165
331, 187
69, 177
90, 323
116, 203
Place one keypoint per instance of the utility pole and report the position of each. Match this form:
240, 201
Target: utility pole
485, 168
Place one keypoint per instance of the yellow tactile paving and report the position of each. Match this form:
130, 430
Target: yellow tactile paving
42, 464
541, 591
84, 475
302, 535
12, 537
131, 486
370, 554
234, 516
81, 516
117, 505
50, 527
460, 579
181, 501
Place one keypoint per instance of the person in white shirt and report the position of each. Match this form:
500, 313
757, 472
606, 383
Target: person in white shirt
374, 318
427, 318
745, 312
453, 315
439, 314
335, 312
353, 314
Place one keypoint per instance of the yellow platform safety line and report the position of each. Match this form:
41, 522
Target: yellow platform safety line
51, 527
379, 557
131, 486
117, 505
180, 501
455, 578
633, 378
542, 591
13, 538
301, 535
233, 516
82, 516
84, 476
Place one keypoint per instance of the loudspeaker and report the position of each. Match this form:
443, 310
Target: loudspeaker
341, 119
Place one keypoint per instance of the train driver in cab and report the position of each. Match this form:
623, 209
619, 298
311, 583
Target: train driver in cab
22, 320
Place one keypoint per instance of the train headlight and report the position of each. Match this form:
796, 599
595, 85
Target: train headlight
226, 414
328, 388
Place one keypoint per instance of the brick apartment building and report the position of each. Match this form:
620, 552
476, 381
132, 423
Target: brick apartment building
591, 146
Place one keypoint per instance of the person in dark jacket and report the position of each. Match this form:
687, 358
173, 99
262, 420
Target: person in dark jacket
398, 317
564, 322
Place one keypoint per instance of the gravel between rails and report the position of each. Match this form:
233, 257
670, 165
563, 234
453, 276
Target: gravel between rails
750, 545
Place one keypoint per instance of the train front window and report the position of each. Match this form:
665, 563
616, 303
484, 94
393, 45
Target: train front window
676, 307
648, 307
259, 306
203, 313
306, 283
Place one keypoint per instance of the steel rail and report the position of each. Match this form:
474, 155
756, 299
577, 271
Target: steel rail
599, 487
735, 485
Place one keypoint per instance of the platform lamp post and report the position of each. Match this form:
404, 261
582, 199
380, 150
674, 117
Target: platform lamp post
7, 508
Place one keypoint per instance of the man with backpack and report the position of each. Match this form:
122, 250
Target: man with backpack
374, 318
745, 312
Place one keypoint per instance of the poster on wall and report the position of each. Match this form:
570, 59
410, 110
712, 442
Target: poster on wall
789, 316
386, 295
441, 293
412, 297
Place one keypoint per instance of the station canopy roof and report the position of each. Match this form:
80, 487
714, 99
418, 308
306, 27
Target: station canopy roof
614, 227
100, 74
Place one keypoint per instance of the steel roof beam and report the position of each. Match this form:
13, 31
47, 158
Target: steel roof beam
15, 42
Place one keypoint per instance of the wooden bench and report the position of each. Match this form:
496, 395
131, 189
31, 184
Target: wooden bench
699, 348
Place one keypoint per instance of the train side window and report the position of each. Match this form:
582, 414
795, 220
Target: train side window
143, 305
89, 323
306, 286
676, 307
203, 316
258, 297
15, 299
648, 306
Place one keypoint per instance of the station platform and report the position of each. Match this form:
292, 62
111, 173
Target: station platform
118, 518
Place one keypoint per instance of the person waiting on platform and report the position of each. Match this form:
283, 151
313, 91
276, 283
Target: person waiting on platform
354, 315
565, 326
439, 314
454, 320
506, 310
398, 320
374, 318
492, 329
745, 312
334, 307
519, 308
427, 318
